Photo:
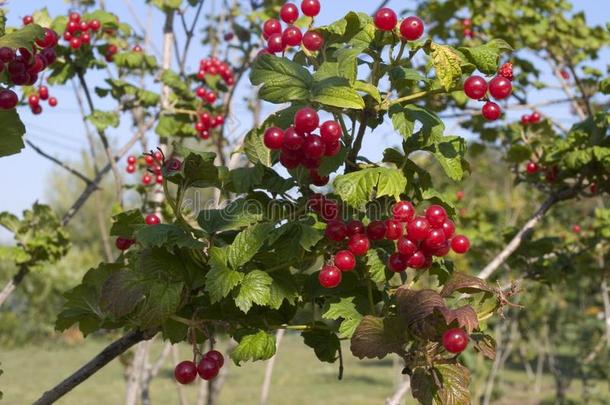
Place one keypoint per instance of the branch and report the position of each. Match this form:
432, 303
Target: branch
111, 351
13, 283
355, 149
60, 163
396, 398
189, 36
269, 369
524, 233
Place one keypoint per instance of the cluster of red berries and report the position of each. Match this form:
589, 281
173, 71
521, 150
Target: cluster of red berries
467, 28
206, 122
550, 173
411, 28
23, 68
208, 368
532, 118
279, 40
213, 67
500, 87
41, 94
300, 146
418, 240
79, 32
152, 164
455, 340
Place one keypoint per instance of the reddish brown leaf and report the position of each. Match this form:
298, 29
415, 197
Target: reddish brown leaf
377, 337
414, 307
465, 283
484, 344
464, 316
445, 384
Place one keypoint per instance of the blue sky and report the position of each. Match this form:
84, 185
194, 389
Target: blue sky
60, 130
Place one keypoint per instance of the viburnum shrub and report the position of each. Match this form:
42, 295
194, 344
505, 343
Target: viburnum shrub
315, 232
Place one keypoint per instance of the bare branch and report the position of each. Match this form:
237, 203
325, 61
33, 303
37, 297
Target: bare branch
59, 163
111, 351
279, 334
403, 389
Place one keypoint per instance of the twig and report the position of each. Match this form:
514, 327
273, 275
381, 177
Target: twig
111, 351
13, 283
60, 163
525, 231
396, 398
189, 36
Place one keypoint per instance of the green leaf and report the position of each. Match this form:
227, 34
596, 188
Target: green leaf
178, 86
402, 77
168, 236
254, 289
175, 125
404, 117
369, 89
199, 170
236, 215
282, 79
356, 188
104, 119
604, 86
356, 29
23, 37
447, 64
325, 344
345, 65
337, 92
331, 164
245, 179
376, 265
346, 310
127, 223
166, 5
283, 288
255, 346
220, 280
450, 154
11, 141
486, 57
247, 244
161, 302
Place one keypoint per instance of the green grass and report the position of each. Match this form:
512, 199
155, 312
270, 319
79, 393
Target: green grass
299, 378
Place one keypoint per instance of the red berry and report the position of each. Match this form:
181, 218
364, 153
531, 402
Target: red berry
124, 243
403, 211
292, 139
152, 219
393, 229
95, 25
336, 231
315, 202
332, 149
468, 33
313, 41
551, 174
158, 156
75, 43
330, 131
310, 8
500, 87
506, 70
146, 179
330, 276
216, 356
358, 244
185, 372
475, 87
306, 120
460, 244
459, 195
37, 109
313, 147
417, 260
531, 168
173, 165
112, 49
491, 111
275, 43
535, 117
291, 36
72, 28
436, 216
210, 97
576, 229
355, 227
74, 16
455, 340
207, 368
593, 188
289, 13
318, 180
137, 48
289, 161
376, 230
49, 39
386, 19
525, 119
27, 20
397, 262
6, 54
329, 210
270, 27
412, 28
33, 100
436, 238
52, 101
130, 169
406, 246
467, 22
448, 228
159, 179
442, 250
565, 75
273, 138
345, 260
418, 229
43, 92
